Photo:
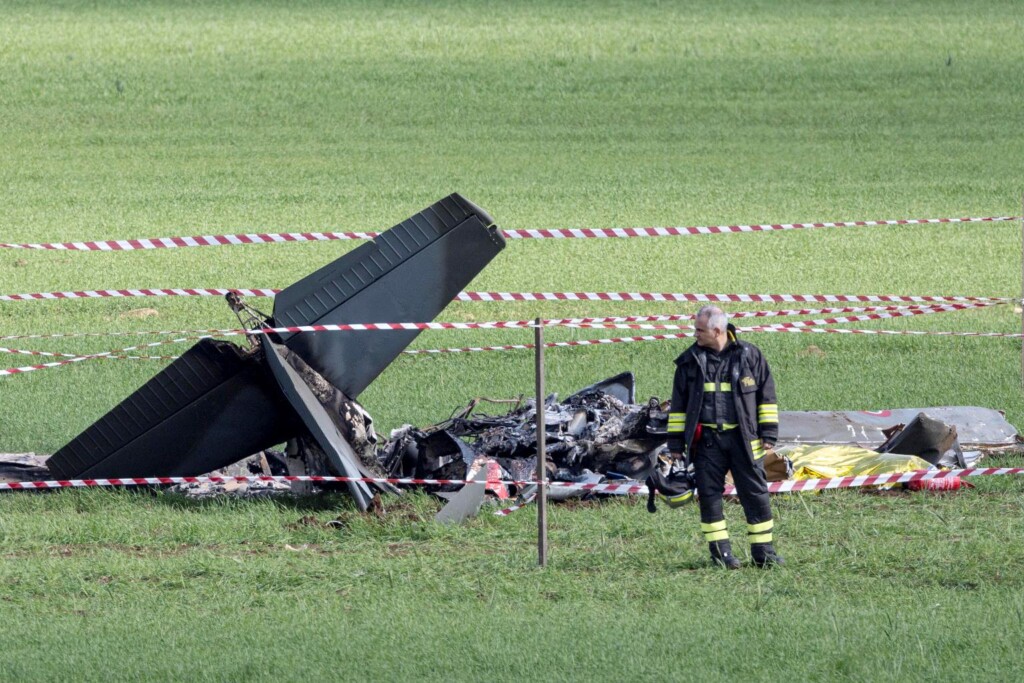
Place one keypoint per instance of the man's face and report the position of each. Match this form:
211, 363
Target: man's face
706, 336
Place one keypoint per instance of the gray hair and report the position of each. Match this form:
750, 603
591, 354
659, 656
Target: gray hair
714, 317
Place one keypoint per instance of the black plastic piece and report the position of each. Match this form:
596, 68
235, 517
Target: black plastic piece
622, 386
440, 448
927, 438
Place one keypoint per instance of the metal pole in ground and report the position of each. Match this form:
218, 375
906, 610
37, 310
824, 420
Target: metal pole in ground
542, 489
1021, 301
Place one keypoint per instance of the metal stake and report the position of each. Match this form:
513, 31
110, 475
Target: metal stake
542, 488
1021, 301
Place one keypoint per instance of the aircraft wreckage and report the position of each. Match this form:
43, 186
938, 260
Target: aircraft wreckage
220, 403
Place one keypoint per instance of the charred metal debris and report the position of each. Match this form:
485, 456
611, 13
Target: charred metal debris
597, 430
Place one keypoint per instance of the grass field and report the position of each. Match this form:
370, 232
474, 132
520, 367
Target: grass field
126, 120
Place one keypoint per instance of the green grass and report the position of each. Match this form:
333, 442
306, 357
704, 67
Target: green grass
122, 120
879, 587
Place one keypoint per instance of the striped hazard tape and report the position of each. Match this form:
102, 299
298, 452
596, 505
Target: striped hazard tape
912, 333
518, 506
556, 233
799, 326
511, 297
598, 233
666, 337
119, 354
466, 349
195, 241
170, 481
53, 354
876, 313
717, 298
129, 293
797, 485
787, 486
551, 345
885, 315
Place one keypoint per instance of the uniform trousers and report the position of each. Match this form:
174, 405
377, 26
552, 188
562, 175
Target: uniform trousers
719, 452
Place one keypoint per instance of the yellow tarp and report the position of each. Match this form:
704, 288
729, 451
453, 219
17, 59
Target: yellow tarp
825, 462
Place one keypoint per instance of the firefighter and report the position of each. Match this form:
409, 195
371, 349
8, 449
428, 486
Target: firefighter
724, 417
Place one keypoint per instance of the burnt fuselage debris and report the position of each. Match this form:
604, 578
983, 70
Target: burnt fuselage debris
219, 403
596, 431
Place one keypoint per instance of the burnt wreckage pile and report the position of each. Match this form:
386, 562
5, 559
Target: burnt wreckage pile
220, 403
597, 430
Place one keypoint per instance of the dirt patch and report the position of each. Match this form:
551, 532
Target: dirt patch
309, 521
399, 549
812, 351
581, 504
140, 313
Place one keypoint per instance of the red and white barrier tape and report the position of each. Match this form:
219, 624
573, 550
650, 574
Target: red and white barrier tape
625, 321
591, 233
901, 313
25, 352
805, 326
129, 293
518, 506
167, 481
467, 349
509, 297
556, 233
665, 337
879, 315
114, 354
786, 486
791, 485
717, 298
55, 364
915, 333
149, 345
796, 485
195, 241
550, 345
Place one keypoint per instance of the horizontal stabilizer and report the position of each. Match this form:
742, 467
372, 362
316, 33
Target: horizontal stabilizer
213, 406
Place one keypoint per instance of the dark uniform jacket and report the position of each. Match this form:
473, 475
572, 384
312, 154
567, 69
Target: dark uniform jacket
752, 388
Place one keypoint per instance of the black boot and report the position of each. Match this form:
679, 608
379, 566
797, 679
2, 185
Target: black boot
721, 555
764, 555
